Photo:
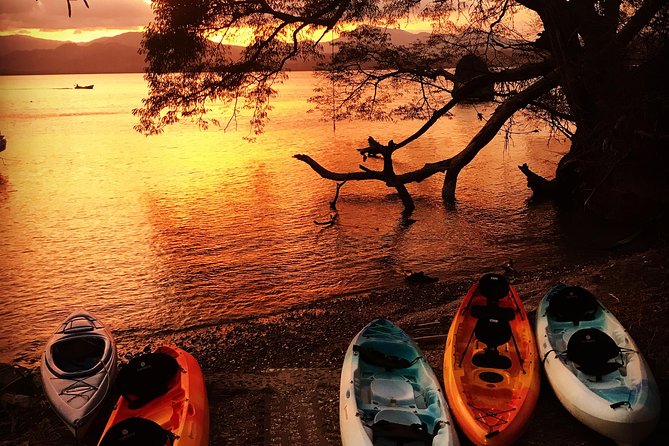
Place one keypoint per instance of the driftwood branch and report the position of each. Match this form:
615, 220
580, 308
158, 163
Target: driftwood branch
336, 176
524, 72
328, 223
541, 187
452, 165
333, 203
456, 163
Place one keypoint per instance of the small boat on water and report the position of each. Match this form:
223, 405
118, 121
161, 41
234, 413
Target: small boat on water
83, 87
78, 368
595, 368
389, 394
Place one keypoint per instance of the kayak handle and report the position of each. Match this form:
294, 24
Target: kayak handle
620, 404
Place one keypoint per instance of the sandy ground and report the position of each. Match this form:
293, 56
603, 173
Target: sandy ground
275, 380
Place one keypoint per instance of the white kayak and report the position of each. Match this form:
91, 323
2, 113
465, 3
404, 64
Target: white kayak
594, 366
78, 368
389, 395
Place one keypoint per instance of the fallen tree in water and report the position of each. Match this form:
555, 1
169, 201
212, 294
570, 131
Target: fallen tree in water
594, 74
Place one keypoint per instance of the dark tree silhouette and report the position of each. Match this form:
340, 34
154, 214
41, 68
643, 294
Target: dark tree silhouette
595, 73
69, 6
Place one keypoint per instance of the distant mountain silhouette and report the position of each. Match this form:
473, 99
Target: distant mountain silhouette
118, 54
28, 55
9, 44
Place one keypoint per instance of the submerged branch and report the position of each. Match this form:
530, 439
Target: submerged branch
337, 176
453, 165
333, 203
541, 187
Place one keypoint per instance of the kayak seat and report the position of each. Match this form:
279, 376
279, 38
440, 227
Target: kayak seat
137, 432
373, 354
391, 392
147, 377
492, 332
493, 286
591, 350
78, 355
491, 359
573, 304
493, 312
396, 427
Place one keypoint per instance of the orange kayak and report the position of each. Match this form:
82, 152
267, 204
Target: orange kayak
163, 402
491, 369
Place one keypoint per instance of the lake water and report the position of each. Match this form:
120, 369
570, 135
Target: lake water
193, 227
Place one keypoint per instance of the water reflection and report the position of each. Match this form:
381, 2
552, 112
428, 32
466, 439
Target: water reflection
192, 228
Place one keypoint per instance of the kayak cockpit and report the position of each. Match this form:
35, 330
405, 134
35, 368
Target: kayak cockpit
148, 377
76, 356
392, 399
137, 432
573, 304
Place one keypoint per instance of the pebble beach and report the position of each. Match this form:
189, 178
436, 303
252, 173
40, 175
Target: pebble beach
275, 380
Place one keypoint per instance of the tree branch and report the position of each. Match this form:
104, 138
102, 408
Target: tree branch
524, 72
336, 176
453, 164
638, 21
539, 185
487, 132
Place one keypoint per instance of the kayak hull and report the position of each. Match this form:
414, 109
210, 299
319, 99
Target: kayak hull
373, 393
492, 400
78, 368
183, 410
624, 404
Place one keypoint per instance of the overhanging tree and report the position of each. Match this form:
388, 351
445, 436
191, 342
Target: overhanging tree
595, 74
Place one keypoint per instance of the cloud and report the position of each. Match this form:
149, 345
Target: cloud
51, 15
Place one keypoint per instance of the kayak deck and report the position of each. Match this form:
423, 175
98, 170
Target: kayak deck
397, 398
172, 395
620, 384
491, 370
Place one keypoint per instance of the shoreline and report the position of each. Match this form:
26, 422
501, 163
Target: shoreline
253, 367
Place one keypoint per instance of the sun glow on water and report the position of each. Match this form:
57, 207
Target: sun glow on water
202, 227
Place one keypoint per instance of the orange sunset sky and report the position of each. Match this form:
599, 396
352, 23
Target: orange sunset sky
48, 19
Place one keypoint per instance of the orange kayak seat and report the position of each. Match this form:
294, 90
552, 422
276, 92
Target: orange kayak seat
493, 333
147, 377
493, 286
137, 432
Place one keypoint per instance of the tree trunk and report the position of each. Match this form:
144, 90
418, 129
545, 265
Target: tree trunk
407, 201
618, 168
450, 184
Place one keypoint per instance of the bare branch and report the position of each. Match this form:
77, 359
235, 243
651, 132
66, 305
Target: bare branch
522, 73
457, 162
